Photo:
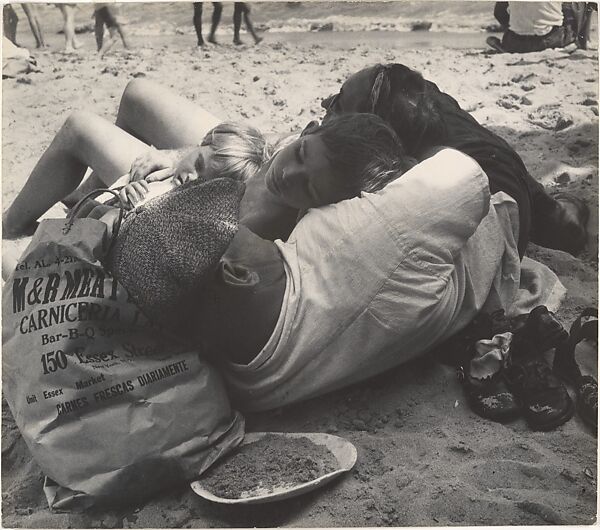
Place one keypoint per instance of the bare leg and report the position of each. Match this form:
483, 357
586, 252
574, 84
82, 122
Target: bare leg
198, 22
160, 117
250, 28
216, 18
119, 29
84, 140
238, 7
108, 43
115, 26
34, 24
98, 30
10, 21
583, 37
157, 116
68, 14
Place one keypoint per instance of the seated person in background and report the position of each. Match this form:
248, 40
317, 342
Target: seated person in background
532, 26
501, 14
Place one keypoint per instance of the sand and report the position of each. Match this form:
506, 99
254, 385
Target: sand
423, 457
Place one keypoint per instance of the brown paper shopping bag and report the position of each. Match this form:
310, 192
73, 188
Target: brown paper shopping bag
112, 410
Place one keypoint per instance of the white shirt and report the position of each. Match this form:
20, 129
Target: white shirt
534, 18
375, 281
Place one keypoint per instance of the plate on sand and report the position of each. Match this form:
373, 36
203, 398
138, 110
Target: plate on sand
341, 451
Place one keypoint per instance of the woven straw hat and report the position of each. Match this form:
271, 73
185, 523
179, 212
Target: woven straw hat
167, 248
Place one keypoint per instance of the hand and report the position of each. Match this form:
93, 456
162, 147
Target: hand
187, 168
133, 193
153, 165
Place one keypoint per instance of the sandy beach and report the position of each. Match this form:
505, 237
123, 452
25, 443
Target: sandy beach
424, 459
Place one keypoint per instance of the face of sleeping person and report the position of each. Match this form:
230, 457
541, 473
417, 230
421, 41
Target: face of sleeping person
196, 164
353, 95
204, 162
301, 174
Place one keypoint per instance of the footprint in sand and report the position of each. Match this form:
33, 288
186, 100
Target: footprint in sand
510, 101
515, 475
521, 452
528, 87
550, 117
521, 77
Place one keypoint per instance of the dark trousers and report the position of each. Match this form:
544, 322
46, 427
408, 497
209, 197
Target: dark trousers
558, 37
503, 166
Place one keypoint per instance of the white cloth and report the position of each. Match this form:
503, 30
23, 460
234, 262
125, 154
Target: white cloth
11, 51
534, 18
491, 355
375, 281
16, 60
539, 286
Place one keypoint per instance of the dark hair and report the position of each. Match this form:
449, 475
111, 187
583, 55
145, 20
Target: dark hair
365, 153
403, 99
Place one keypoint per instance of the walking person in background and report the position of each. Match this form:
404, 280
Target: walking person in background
107, 15
68, 13
216, 18
240, 9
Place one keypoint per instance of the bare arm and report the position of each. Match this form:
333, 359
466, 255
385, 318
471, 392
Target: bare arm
158, 164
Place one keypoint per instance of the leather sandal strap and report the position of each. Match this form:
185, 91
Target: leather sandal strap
565, 352
587, 330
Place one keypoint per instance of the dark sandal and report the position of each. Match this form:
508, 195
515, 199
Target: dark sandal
544, 400
537, 331
490, 398
565, 366
587, 401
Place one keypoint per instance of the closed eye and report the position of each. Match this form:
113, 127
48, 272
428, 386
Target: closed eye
199, 165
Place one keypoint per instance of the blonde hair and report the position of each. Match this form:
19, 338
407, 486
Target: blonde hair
239, 151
